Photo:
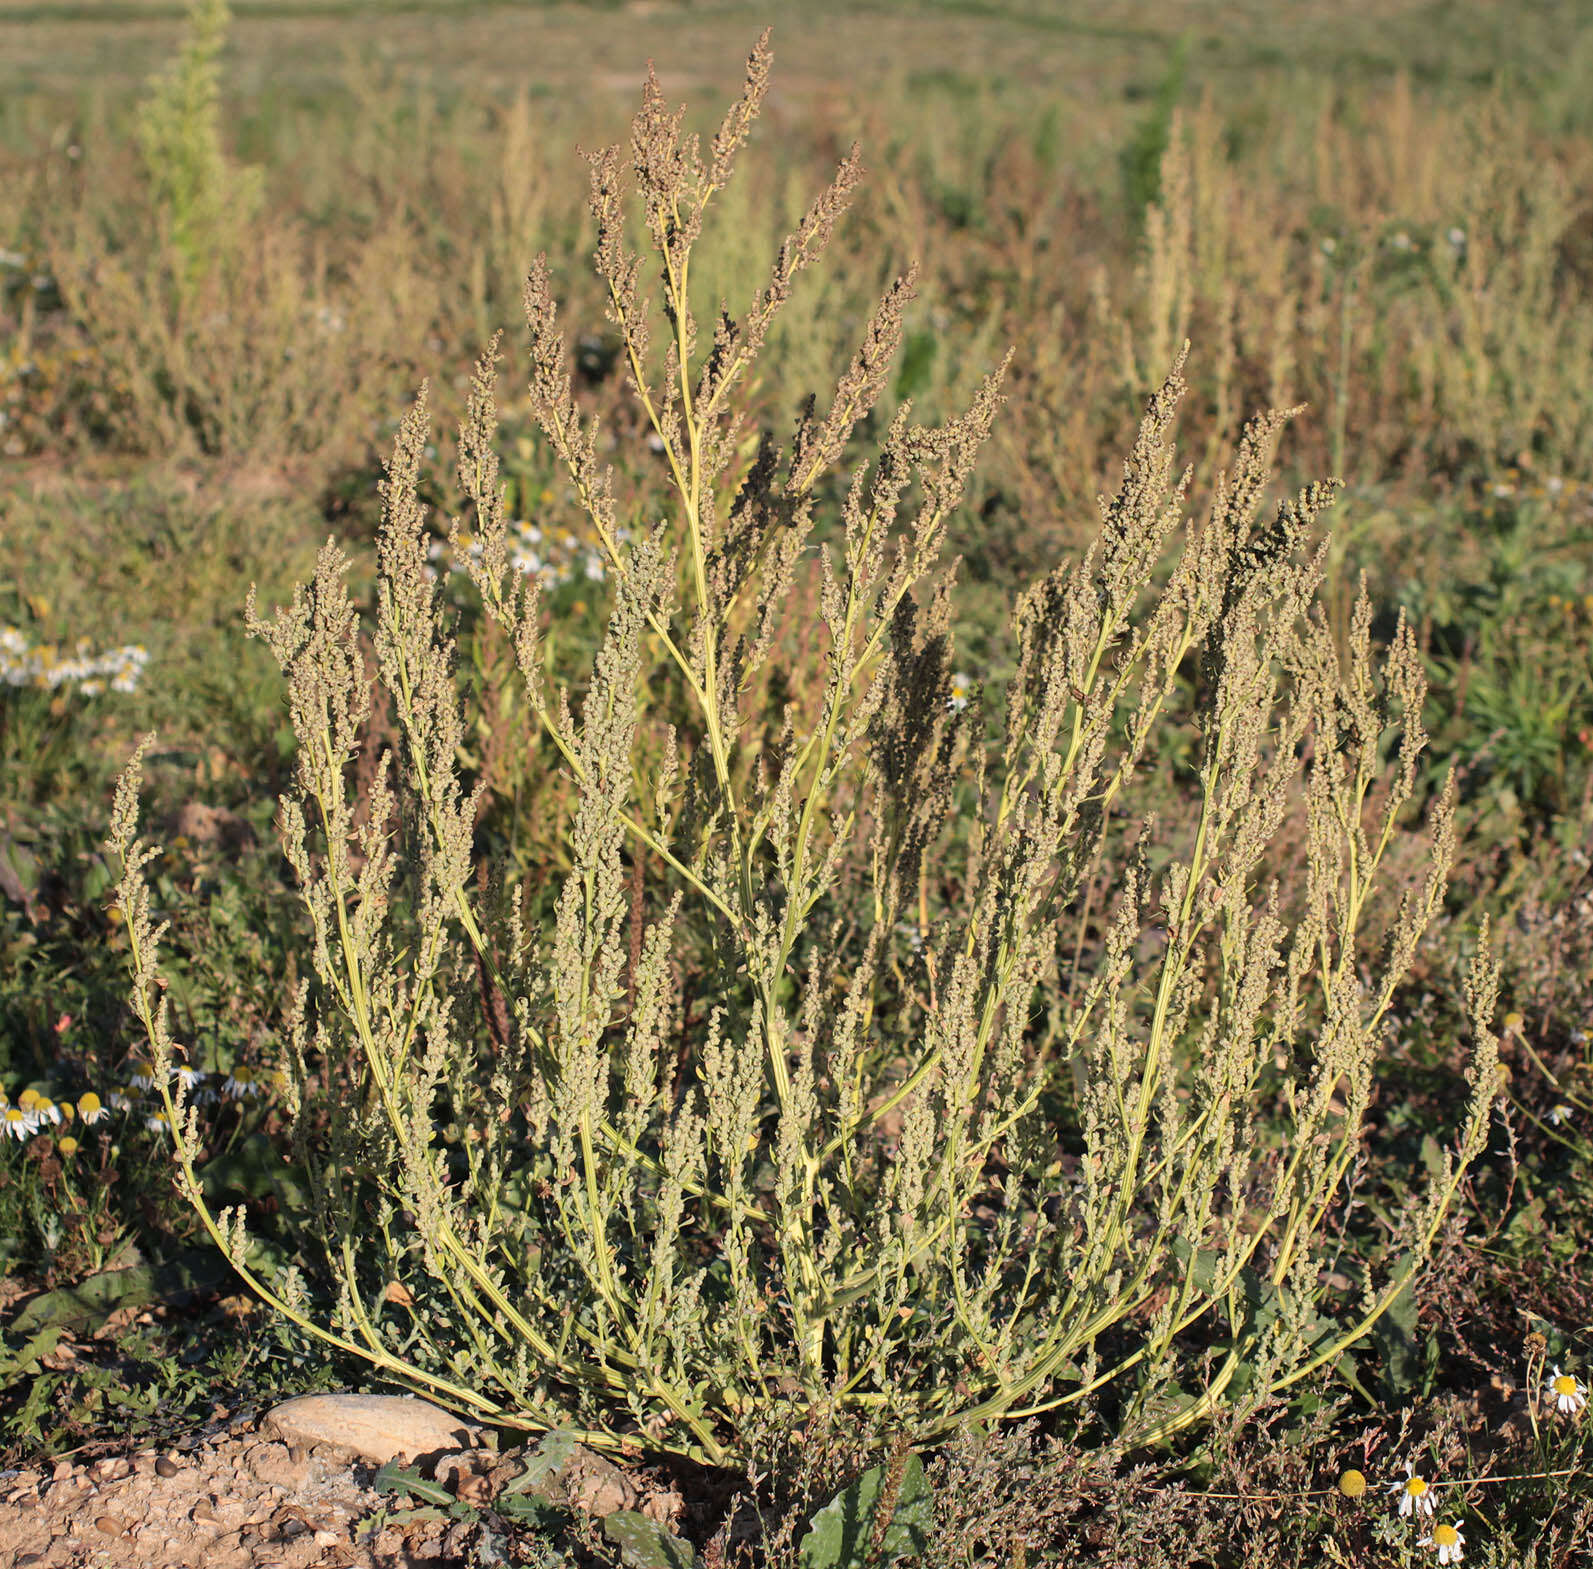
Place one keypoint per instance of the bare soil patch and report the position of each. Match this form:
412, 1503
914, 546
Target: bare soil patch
241, 1498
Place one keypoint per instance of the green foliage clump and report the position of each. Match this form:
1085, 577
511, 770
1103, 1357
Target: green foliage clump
957, 1183
202, 194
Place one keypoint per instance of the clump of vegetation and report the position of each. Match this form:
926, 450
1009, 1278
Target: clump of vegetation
951, 1180
1406, 250
202, 194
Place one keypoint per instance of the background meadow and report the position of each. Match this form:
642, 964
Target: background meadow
1383, 212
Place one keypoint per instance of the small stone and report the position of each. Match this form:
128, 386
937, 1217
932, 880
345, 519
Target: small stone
205, 1511
378, 1428
326, 1539
114, 1469
109, 1525
166, 1466
63, 1469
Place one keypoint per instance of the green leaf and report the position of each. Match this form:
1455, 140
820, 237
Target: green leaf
1347, 1370
19, 873
257, 1169
88, 1304
842, 1530
645, 1544
1394, 1335
15, 1364
1200, 1263
394, 1478
528, 1509
543, 1465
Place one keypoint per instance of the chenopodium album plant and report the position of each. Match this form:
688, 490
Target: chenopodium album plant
551, 1198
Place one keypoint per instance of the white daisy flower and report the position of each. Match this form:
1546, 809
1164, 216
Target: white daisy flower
90, 1109
1567, 1391
240, 1082
141, 1076
1415, 1493
1447, 1540
189, 1076
17, 1123
1559, 1113
961, 690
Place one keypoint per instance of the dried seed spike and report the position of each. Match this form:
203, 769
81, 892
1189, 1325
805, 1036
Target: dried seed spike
732, 132
488, 564
667, 170
859, 389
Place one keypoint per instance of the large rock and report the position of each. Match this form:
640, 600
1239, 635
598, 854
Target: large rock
378, 1428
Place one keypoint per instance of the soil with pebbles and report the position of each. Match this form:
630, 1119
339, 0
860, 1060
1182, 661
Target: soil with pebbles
237, 1502
245, 1499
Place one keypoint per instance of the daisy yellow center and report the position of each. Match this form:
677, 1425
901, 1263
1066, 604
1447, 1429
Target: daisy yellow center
1564, 1385
13, 1114
1416, 1487
1446, 1535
